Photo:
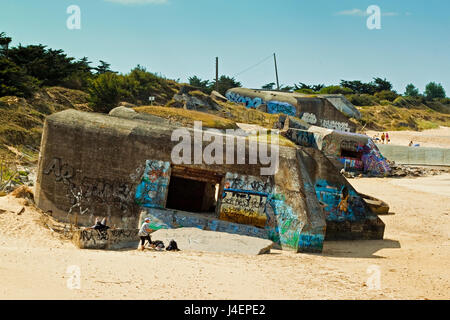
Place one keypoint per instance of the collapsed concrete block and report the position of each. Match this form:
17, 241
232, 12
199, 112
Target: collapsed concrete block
202, 240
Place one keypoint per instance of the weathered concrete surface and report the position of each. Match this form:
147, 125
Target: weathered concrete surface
312, 109
109, 239
98, 165
202, 240
341, 103
127, 113
416, 155
347, 215
352, 151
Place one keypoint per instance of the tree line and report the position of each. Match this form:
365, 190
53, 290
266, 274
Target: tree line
26, 69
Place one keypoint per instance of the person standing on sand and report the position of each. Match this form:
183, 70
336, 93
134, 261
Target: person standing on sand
382, 137
144, 233
387, 138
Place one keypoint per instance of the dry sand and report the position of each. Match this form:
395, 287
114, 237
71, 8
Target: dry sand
436, 138
413, 259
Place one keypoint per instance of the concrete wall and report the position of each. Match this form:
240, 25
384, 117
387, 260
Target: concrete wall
416, 155
98, 165
109, 239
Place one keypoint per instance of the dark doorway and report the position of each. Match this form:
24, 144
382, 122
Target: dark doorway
351, 154
191, 195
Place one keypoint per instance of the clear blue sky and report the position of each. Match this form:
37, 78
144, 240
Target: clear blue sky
321, 41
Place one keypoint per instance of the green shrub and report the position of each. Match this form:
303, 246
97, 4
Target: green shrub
386, 95
336, 90
362, 99
305, 91
106, 91
14, 80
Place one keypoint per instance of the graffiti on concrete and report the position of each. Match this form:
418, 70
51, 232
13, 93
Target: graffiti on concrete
303, 138
62, 171
249, 102
244, 199
275, 107
288, 226
351, 146
352, 164
373, 160
309, 117
250, 200
96, 239
335, 125
340, 203
90, 192
311, 240
152, 191
256, 184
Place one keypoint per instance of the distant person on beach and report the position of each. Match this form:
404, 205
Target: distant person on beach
387, 138
144, 233
410, 144
375, 137
382, 137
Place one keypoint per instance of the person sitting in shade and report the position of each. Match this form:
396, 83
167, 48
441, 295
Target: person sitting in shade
100, 225
410, 144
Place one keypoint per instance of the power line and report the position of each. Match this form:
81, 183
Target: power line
255, 65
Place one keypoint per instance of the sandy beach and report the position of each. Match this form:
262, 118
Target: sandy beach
411, 262
435, 138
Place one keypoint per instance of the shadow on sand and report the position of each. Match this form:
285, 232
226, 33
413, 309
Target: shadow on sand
358, 248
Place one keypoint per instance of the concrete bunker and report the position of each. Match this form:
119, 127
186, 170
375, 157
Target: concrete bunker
327, 111
351, 151
100, 165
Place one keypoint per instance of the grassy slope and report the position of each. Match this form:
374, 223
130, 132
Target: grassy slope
21, 120
405, 115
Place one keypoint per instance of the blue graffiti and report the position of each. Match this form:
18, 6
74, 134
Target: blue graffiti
151, 191
304, 138
274, 107
308, 240
249, 102
340, 203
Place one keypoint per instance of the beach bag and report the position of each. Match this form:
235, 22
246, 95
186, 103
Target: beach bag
172, 246
158, 245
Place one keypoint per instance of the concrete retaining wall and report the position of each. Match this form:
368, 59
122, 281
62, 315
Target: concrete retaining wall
416, 155
109, 239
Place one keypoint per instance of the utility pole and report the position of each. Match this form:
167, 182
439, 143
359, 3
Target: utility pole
217, 74
276, 71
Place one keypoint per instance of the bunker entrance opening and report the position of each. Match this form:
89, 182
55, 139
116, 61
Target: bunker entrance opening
193, 191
